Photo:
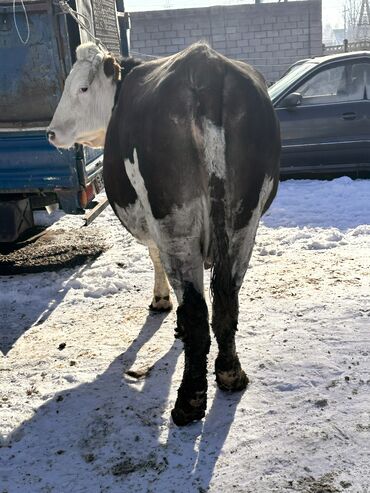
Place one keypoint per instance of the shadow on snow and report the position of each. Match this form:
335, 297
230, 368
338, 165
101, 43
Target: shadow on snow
30, 302
114, 434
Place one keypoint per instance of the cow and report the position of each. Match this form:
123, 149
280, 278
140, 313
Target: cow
191, 162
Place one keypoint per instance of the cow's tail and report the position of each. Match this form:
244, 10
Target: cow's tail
222, 281
208, 83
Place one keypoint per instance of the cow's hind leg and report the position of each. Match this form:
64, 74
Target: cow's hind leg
185, 273
228, 272
229, 374
161, 297
193, 329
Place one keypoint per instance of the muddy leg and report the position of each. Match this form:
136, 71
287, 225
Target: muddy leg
185, 272
229, 374
231, 260
192, 320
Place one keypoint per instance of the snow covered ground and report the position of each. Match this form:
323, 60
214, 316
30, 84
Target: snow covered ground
73, 419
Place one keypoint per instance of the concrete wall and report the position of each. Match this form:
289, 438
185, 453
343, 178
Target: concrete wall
270, 36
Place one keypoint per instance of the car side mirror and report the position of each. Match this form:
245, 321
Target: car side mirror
291, 101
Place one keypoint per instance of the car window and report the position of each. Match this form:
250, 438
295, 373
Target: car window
336, 84
293, 74
367, 78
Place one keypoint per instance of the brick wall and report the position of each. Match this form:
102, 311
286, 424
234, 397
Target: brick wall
270, 36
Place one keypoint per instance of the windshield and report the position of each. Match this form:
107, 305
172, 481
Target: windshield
294, 74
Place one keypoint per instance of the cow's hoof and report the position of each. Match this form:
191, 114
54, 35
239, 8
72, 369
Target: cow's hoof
183, 418
179, 333
186, 412
232, 380
161, 304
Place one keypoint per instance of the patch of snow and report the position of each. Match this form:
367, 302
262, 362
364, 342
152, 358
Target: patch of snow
71, 418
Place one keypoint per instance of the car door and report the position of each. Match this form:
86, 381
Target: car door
330, 127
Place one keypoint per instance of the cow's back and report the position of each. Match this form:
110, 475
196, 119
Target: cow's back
183, 114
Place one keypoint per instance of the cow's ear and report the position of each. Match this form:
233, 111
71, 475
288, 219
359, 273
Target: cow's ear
112, 68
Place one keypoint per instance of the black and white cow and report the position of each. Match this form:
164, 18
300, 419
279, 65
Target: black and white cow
191, 162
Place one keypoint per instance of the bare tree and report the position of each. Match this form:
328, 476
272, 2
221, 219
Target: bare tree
352, 10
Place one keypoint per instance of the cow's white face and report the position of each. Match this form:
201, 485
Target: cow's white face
85, 108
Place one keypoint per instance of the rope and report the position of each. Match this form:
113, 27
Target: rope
24, 42
138, 53
67, 9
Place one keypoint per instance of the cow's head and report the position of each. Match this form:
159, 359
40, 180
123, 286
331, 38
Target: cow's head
83, 113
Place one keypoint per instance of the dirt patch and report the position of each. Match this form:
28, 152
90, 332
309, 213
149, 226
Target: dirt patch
309, 484
53, 250
128, 466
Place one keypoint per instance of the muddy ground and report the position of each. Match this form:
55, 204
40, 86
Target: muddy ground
46, 250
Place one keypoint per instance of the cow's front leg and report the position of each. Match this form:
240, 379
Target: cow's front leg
161, 296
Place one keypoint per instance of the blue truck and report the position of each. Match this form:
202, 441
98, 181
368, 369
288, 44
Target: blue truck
38, 39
